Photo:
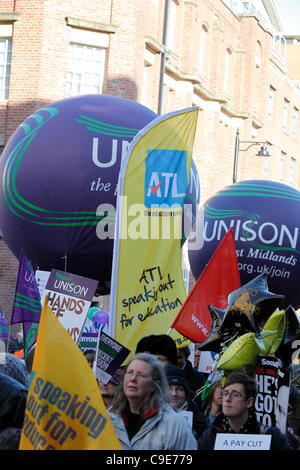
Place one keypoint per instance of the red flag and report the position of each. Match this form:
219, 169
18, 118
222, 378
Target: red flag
219, 277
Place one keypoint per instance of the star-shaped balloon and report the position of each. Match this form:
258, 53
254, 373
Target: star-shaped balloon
213, 340
248, 309
252, 324
250, 306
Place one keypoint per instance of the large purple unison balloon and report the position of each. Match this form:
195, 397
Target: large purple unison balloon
57, 169
265, 216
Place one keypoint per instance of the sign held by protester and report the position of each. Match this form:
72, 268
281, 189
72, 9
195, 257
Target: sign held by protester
207, 361
110, 356
69, 297
232, 441
271, 403
41, 280
88, 341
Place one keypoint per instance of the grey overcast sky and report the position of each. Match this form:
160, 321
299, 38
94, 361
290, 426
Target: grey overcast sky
289, 12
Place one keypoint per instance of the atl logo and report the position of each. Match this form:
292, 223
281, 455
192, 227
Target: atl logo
165, 178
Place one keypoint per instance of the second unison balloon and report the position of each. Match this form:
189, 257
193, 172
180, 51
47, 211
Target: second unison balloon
265, 216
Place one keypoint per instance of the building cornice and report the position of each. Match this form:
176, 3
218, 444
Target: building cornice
154, 45
231, 112
90, 25
9, 17
191, 2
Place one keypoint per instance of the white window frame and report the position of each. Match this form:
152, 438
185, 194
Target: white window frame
267, 166
295, 122
5, 76
292, 176
258, 54
285, 115
83, 81
171, 24
282, 166
203, 41
271, 103
228, 62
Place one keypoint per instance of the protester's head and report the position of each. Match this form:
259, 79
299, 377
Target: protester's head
13, 367
248, 384
20, 337
238, 395
178, 386
215, 395
108, 390
90, 356
197, 354
161, 346
182, 355
144, 385
117, 378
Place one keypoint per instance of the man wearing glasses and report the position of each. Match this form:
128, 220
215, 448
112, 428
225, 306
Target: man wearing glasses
238, 415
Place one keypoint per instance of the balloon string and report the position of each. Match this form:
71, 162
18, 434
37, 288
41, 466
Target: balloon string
200, 390
224, 344
66, 259
208, 384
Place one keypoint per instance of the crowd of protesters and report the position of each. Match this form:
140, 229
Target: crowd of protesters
154, 402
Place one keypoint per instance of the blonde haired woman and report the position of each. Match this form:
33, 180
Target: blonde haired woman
141, 414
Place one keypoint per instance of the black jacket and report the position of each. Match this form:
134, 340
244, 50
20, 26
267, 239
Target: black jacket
200, 423
252, 426
13, 397
195, 378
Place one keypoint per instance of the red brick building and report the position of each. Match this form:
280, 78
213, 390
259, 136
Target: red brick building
226, 57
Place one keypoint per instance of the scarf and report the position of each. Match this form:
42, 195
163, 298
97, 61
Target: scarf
250, 426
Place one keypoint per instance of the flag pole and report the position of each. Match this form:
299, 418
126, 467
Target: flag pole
203, 272
8, 339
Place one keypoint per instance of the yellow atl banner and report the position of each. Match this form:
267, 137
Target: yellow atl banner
64, 409
147, 282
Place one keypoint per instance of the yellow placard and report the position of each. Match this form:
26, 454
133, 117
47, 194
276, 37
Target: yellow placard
64, 409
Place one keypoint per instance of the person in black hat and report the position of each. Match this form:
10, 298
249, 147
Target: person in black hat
161, 346
181, 398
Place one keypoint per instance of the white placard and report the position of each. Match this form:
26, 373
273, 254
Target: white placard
41, 280
232, 441
207, 361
